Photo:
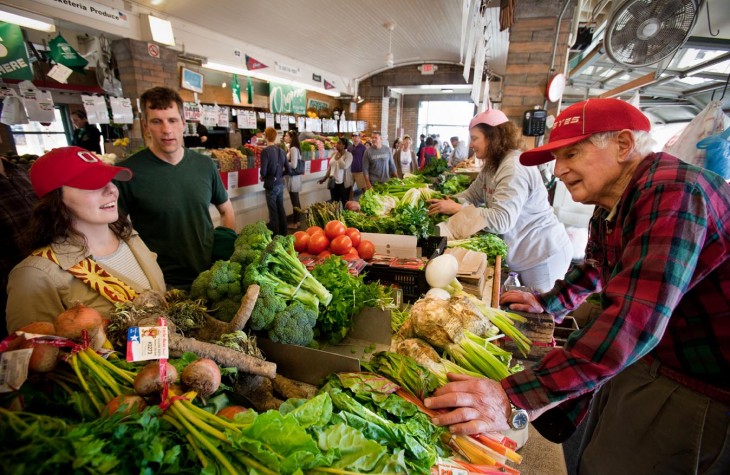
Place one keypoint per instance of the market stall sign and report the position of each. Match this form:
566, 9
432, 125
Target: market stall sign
90, 9
287, 99
63, 53
14, 62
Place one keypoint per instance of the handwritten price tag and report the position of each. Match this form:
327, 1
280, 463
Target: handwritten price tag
147, 343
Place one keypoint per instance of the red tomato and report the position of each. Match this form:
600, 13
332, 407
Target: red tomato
313, 229
354, 236
334, 228
318, 242
341, 245
351, 255
366, 249
324, 254
301, 239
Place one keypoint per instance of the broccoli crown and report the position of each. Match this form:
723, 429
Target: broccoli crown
268, 305
251, 242
221, 281
199, 289
225, 280
226, 309
294, 325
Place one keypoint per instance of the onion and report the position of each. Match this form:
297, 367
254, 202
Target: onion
437, 293
441, 271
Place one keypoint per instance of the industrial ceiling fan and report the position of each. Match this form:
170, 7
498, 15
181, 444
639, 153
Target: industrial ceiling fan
644, 32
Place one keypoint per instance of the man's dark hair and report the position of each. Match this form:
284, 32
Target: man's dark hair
160, 98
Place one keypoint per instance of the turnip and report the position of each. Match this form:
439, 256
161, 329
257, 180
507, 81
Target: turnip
202, 376
44, 357
129, 402
148, 382
441, 271
72, 323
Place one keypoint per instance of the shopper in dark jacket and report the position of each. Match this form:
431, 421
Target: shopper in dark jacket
274, 166
86, 135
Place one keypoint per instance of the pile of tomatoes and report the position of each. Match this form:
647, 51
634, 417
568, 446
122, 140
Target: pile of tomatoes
335, 238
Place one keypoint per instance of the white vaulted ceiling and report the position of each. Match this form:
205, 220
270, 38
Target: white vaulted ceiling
344, 37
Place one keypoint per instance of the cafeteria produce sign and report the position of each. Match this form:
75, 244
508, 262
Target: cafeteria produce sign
90, 9
287, 99
13, 56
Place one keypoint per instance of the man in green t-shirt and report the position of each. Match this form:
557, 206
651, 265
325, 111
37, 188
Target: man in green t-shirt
168, 197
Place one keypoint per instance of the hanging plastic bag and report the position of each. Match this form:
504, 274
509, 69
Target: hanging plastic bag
13, 111
717, 157
710, 121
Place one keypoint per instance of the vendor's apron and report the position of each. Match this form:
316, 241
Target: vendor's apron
644, 421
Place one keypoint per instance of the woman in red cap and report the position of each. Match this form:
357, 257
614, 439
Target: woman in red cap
510, 200
83, 249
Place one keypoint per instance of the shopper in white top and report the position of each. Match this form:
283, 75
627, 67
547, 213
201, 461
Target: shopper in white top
405, 158
293, 182
460, 152
510, 200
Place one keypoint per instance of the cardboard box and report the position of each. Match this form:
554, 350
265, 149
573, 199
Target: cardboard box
371, 327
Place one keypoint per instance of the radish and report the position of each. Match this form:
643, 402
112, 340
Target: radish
202, 376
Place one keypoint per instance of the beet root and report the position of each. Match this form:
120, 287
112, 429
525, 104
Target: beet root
202, 376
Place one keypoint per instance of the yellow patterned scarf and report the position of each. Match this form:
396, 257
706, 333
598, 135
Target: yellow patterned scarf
93, 275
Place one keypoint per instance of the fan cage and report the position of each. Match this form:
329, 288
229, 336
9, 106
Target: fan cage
644, 32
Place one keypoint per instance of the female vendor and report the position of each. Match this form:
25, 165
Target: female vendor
84, 250
510, 200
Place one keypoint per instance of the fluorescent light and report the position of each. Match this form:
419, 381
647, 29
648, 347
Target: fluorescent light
267, 77
26, 19
161, 30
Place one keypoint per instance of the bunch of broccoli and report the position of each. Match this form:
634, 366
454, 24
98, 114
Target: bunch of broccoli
292, 324
280, 268
221, 287
250, 243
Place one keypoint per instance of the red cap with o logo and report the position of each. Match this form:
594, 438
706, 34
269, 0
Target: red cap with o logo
583, 119
74, 167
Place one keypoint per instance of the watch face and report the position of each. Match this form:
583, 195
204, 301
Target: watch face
519, 419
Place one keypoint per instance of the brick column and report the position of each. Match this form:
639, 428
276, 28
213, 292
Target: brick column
530, 49
138, 71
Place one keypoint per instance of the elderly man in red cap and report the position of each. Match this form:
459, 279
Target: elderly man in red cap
656, 360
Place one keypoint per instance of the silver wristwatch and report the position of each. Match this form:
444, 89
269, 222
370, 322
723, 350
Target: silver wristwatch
518, 418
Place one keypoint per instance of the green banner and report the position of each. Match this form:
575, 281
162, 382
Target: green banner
287, 99
14, 62
63, 53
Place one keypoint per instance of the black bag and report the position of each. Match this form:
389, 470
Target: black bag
299, 170
331, 183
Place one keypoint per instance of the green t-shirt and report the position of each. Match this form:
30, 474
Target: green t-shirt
168, 205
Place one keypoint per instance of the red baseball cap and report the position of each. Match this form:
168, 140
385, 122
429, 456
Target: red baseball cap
75, 167
491, 117
583, 119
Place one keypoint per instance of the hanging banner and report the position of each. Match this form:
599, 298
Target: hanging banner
287, 99
236, 90
63, 53
122, 112
14, 62
90, 9
252, 64
328, 85
249, 91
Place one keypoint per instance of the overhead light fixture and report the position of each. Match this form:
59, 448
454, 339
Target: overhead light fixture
157, 30
447, 90
389, 59
360, 100
27, 19
266, 77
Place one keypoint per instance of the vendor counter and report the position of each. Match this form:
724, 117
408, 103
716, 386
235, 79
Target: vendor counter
248, 196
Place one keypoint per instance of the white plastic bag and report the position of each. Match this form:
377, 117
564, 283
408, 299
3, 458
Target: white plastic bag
710, 121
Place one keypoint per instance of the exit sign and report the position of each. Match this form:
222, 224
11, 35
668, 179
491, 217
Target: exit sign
428, 68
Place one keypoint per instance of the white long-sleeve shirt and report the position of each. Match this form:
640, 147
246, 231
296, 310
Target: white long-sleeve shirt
517, 208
